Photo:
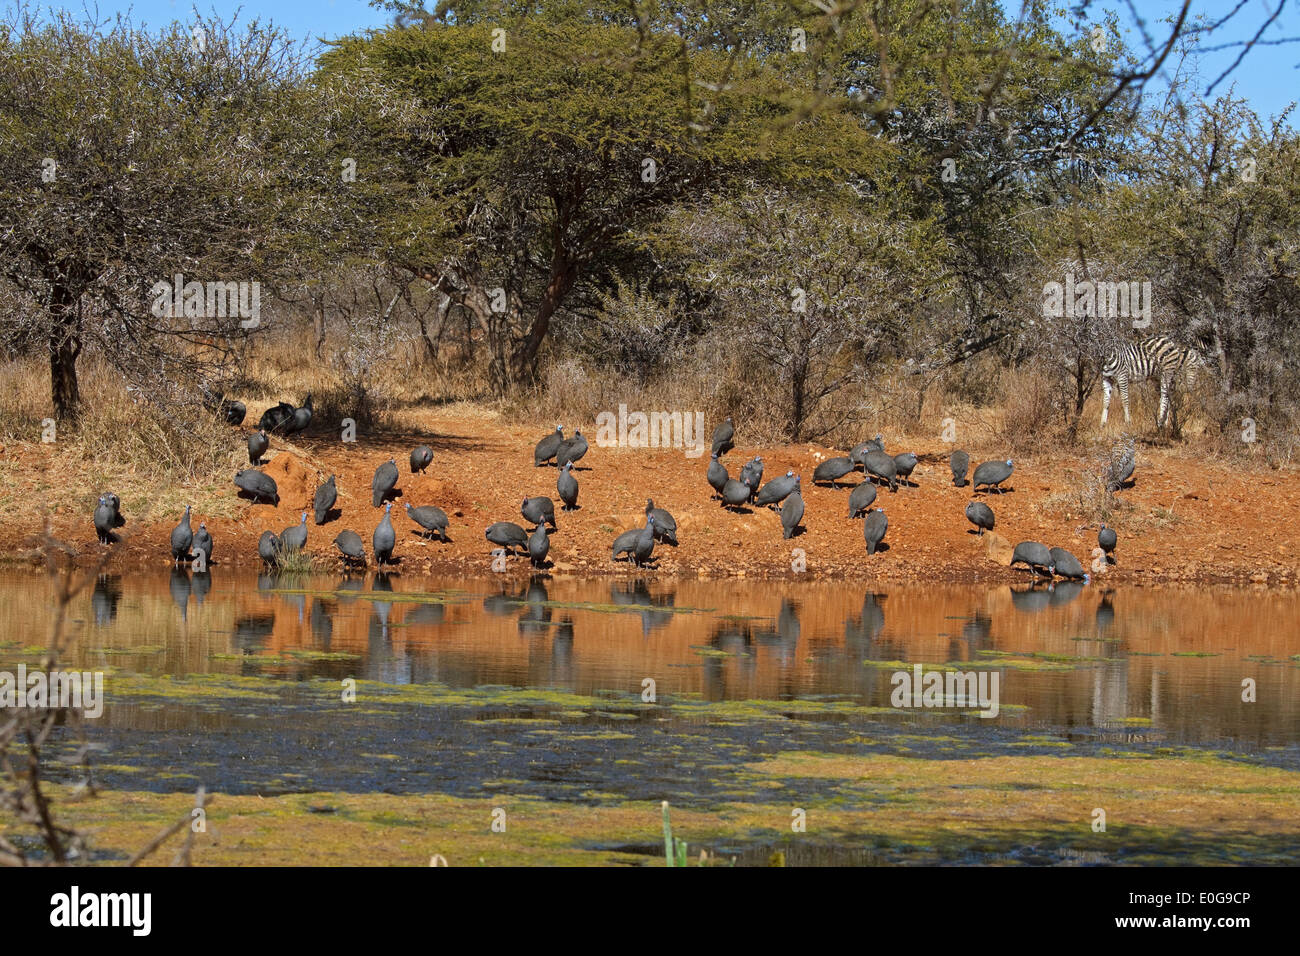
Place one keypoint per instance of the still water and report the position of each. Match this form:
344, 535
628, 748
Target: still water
1164, 665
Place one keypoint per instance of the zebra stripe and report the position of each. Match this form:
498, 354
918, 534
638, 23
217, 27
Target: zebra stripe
1159, 356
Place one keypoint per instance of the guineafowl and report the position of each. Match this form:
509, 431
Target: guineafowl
539, 543
832, 470
874, 528
1032, 554
539, 510
858, 454
114, 502
548, 447
1066, 565
349, 545
268, 548
571, 450
792, 511
905, 464
258, 443
734, 493
324, 499
717, 475
751, 475
980, 515
1121, 471
203, 543
625, 543
1106, 540
234, 411
430, 519
991, 474
295, 538
385, 480
384, 538
182, 538
508, 535
959, 462
645, 543
421, 458
860, 498
776, 490
301, 418
261, 487
277, 418
665, 524
723, 437
882, 467
104, 521
567, 486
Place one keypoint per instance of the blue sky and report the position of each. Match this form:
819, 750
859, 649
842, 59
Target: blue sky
1268, 78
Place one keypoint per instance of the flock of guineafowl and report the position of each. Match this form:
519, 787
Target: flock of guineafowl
781, 494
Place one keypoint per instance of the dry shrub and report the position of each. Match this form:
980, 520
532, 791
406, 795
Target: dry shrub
1033, 416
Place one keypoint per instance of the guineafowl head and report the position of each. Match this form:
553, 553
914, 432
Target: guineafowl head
1009, 463
790, 474
406, 505
388, 507
560, 429
304, 517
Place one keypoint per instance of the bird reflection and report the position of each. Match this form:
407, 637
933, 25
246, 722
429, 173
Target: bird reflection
105, 598
180, 588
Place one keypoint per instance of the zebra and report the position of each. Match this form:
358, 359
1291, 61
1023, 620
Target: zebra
1138, 361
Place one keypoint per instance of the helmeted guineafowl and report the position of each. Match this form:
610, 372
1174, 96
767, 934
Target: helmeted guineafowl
625, 543
723, 437
991, 474
384, 538
665, 525
734, 493
508, 535
104, 521
349, 545
980, 515
832, 470
301, 418
882, 467
959, 463
295, 538
858, 454
1106, 540
860, 498
429, 518
1122, 470
539, 543
571, 450
203, 543
1032, 554
385, 480
182, 538
776, 490
548, 447
324, 499
539, 510
421, 458
792, 511
234, 411
114, 502
905, 464
874, 528
261, 487
277, 418
644, 548
751, 475
268, 548
258, 443
567, 486
717, 475
1066, 565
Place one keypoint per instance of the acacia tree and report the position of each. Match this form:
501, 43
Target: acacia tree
127, 157
817, 290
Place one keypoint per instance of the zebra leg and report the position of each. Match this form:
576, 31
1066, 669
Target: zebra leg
1123, 397
1105, 400
1164, 402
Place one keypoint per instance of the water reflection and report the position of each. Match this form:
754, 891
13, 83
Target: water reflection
1073, 658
